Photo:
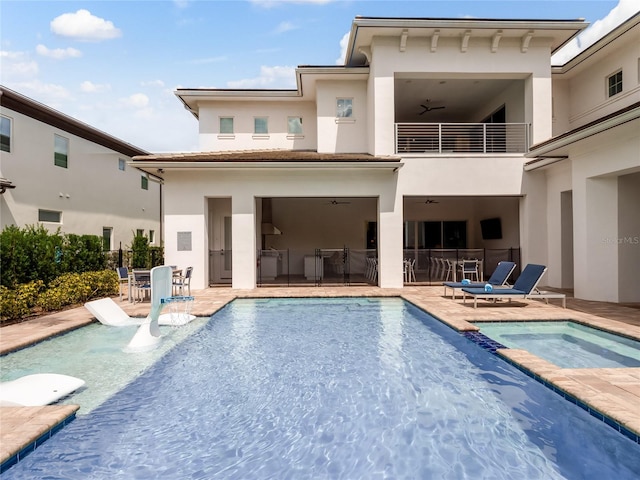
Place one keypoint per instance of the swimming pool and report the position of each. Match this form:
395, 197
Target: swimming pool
332, 388
566, 344
94, 354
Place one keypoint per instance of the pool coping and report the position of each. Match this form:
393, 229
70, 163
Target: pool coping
557, 379
453, 313
40, 425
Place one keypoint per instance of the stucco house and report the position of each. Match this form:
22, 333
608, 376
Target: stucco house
66, 174
436, 138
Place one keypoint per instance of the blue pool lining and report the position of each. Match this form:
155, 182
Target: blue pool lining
27, 449
492, 346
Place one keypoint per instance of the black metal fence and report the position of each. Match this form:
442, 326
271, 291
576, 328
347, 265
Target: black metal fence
152, 257
437, 265
346, 266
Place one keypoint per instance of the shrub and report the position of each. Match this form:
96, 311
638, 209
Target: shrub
82, 253
17, 303
103, 283
73, 288
32, 253
140, 252
67, 289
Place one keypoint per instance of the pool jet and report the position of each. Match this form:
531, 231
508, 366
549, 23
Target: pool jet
148, 335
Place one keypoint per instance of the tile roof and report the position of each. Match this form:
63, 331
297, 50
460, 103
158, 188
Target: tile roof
275, 155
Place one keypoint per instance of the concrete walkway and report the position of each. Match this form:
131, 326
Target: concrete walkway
614, 392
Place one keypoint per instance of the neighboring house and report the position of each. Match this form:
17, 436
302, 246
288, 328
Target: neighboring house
66, 174
431, 132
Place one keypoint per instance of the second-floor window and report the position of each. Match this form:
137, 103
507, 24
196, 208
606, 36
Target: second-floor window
344, 107
226, 125
614, 83
122, 164
261, 125
61, 151
144, 182
294, 125
5, 134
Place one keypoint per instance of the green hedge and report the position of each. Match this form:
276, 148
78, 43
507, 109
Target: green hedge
33, 253
67, 289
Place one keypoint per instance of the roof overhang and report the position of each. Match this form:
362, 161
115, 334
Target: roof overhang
557, 148
556, 32
306, 76
264, 159
598, 47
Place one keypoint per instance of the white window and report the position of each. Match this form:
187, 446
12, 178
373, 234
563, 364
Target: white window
614, 83
294, 125
122, 164
261, 125
344, 107
5, 134
226, 125
61, 151
152, 236
140, 232
144, 182
49, 216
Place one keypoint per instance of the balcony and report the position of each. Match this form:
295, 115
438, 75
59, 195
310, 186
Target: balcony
475, 138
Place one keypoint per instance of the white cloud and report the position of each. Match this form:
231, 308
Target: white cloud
344, 43
276, 3
58, 53
285, 27
137, 100
90, 87
619, 13
48, 93
16, 65
138, 119
152, 83
270, 77
84, 26
181, 3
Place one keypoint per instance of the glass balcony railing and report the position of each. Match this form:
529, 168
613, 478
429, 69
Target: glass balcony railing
444, 138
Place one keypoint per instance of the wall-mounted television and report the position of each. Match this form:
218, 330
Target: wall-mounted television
491, 229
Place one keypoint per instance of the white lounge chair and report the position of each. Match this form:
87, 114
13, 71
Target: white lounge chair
109, 313
38, 389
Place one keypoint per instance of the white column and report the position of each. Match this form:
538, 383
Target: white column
595, 204
383, 116
390, 220
243, 240
538, 112
533, 221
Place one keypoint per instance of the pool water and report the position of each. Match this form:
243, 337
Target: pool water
566, 344
95, 354
332, 389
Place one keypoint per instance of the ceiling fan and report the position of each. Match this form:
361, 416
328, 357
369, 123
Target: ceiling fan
428, 108
337, 202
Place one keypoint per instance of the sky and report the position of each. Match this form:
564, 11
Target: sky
115, 64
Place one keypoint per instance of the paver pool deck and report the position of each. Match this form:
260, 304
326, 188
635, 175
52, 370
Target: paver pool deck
614, 392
